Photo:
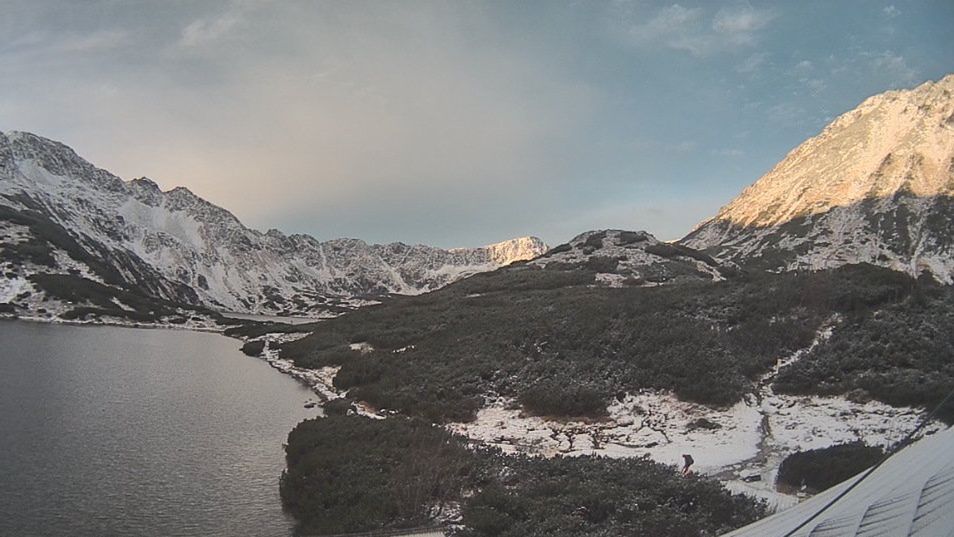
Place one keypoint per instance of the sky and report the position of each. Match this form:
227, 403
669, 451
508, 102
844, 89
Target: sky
455, 123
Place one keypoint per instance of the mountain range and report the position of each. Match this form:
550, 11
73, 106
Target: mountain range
875, 186
61, 214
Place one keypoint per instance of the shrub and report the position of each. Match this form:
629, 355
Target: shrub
819, 469
595, 241
565, 247
602, 264
350, 473
338, 407
630, 237
254, 348
574, 496
505, 331
557, 399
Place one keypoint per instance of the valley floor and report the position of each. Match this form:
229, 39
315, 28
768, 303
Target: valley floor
741, 446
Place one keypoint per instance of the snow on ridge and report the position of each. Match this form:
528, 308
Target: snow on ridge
192, 241
509, 251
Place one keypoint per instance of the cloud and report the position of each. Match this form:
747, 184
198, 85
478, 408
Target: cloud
203, 31
815, 85
787, 114
686, 29
894, 66
891, 12
334, 120
668, 21
804, 66
739, 25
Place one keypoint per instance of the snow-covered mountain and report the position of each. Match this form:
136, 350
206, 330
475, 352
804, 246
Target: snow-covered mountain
876, 186
60, 214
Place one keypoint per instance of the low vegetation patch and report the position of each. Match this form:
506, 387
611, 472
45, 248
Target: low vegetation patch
511, 331
48, 234
820, 469
902, 354
552, 399
94, 299
254, 348
350, 474
249, 329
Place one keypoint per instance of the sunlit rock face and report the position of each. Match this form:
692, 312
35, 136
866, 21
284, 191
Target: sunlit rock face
876, 186
179, 246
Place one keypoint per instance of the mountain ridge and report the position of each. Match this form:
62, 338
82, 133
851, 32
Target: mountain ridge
185, 240
876, 186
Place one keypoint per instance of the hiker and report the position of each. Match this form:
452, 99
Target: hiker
688, 462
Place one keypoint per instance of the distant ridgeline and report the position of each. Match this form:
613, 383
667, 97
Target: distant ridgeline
60, 215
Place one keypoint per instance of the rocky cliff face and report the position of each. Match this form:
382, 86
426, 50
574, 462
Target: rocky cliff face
60, 213
876, 186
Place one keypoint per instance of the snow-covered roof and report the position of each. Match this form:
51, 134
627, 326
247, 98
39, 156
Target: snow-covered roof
909, 495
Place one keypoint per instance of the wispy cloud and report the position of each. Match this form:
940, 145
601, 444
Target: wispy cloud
893, 65
815, 85
740, 25
203, 31
694, 31
804, 66
674, 19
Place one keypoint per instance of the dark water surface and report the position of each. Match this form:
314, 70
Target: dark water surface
119, 431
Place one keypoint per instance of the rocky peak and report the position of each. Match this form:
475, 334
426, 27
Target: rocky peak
181, 198
518, 249
875, 186
58, 159
898, 141
146, 191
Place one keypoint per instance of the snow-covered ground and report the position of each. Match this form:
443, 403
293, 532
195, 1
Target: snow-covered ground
742, 445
